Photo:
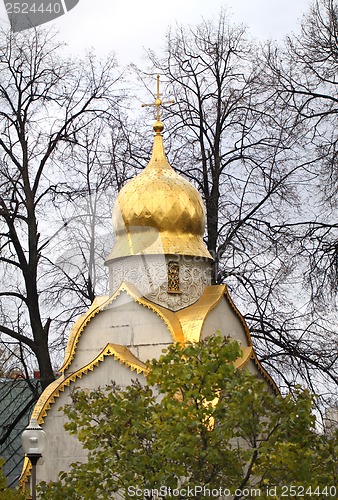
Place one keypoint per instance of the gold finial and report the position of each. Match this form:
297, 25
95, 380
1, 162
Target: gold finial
158, 125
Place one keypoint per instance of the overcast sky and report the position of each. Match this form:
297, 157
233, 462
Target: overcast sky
127, 26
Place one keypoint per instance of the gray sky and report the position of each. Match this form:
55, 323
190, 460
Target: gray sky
126, 26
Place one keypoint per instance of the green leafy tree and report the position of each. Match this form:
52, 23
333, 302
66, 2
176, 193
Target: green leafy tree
198, 424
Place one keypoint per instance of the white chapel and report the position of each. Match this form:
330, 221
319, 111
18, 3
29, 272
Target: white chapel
160, 293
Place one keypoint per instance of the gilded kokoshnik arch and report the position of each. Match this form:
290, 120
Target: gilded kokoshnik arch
160, 293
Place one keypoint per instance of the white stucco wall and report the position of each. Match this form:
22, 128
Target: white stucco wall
124, 322
145, 333
224, 318
63, 449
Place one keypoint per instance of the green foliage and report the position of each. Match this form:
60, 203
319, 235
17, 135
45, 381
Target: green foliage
8, 493
198, 422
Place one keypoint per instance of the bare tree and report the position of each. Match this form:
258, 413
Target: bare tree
304, 74
94, 171
46, 101
238, 139
222, 114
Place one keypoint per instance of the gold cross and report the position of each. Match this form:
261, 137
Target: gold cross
158, 101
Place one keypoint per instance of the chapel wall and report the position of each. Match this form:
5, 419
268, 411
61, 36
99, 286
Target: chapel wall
62, 448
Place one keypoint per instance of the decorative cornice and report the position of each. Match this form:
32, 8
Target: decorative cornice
101, 303
239, 315
260, 368
241, 362
265, 374
78, 328
192, 318
119, 352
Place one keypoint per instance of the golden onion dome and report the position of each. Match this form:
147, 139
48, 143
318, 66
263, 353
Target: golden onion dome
158, 211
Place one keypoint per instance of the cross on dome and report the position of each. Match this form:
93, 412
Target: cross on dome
158, 101
158, 212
